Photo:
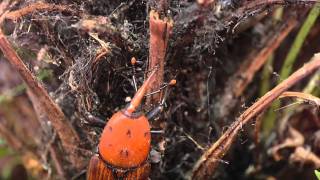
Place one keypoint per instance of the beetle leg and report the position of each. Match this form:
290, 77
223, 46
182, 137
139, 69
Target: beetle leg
94, 121
154, 112
158, 109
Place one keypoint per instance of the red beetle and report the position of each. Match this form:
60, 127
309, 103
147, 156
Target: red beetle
124, 144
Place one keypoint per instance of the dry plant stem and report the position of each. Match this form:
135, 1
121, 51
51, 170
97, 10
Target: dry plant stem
240, 80
69, 138
19, 146
3, 10
43, 118
303, 155
256, 61
160, 29
208, 162
308, 97
57, 162
257, 128
11, 139
38, 6
159, 35
256, 4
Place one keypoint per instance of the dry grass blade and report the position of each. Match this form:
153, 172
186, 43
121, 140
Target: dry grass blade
38, 6
42, 118
257, 60
241, 79
303, 155
262, 3
9, 137
308, 97
67, 134
207, 164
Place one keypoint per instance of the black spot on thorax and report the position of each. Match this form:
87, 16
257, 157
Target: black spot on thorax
129, 133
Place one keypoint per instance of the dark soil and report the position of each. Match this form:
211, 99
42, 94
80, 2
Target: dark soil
205, 49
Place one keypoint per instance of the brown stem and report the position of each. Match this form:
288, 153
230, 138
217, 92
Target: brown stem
38, 6
160, 30
257, 60
67, 134
57, 162
11, 139
43, 118
308, 97
257, 4
304, 155
241, 79
159, 35
208, 162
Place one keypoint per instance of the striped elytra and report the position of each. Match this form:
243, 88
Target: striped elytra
98, 170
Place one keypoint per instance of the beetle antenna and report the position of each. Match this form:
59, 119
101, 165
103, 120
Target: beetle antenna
136, 100
158, 109
133, 64
171, 83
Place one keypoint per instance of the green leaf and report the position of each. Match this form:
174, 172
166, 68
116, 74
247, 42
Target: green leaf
317, 174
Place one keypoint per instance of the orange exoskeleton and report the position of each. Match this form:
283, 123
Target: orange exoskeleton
124, 144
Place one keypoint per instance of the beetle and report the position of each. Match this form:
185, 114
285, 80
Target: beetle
125, 142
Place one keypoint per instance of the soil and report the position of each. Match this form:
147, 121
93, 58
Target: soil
85, 50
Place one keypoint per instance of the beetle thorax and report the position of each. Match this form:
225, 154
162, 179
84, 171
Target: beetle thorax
125, 140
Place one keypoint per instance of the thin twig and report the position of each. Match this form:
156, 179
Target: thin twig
313, 83
38, 6
43, 119
310, 88
298, 42
57, 161
251, 6
11, 139
289, 62
241, 79
257, 60
308, 97
303, 155
207, 164
66, 133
